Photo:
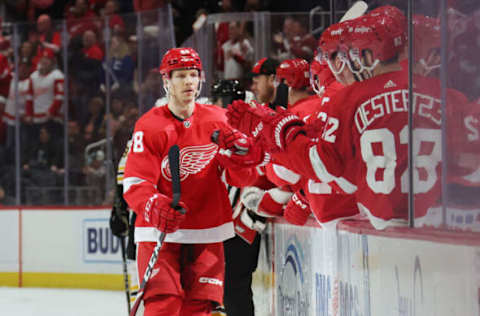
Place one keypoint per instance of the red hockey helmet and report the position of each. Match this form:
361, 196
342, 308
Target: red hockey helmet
426, 38
396, 22
330, 41
370, 33
332, 44
294, 72
180, 58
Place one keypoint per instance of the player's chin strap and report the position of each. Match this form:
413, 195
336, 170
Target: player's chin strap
202, 79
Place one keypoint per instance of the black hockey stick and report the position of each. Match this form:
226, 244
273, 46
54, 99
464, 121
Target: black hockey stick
174, 161
125, 272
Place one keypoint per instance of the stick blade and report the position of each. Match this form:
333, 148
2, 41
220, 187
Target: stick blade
356, 10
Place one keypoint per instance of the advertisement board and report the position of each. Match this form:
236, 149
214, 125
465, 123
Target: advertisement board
338, 272
59, 248
293, 290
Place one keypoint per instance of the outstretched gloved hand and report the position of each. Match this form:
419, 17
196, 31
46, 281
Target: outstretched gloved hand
276, 129
237, 150
160, 214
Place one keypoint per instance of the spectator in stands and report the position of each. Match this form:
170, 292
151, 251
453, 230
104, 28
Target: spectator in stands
222, 30
5, 42
94, 126
282, 38
120, 67
117, 106
76, 147
86, 71
294, 41
81, 19
27, 54
237, 52
45, 98
115, 21
95, 175
303, 44
44, 37
149, 90
17, 102
43, 160
91, 48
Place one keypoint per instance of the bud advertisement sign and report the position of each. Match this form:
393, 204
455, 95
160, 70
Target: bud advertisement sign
99, 244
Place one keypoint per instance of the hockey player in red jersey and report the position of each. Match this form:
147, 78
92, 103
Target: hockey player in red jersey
188, 276
277, 201
368, 130
295, 74
326, 202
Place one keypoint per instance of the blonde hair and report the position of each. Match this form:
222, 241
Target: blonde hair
121, 51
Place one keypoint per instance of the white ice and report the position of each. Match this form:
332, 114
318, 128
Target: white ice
61, 302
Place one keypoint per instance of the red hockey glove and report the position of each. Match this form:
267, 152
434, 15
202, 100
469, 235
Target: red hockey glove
238, 151
276, 128
265, 203
240, 117
297, 210
159, 213
233, 140
314, 129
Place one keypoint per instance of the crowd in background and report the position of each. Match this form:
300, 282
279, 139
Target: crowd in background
91, 61
94, 62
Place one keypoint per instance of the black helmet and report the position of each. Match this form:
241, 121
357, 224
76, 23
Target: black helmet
228, 90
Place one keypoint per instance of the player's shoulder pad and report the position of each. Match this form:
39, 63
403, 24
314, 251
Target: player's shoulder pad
153, 118
212, 111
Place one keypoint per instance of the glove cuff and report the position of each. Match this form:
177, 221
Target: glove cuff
251, 222
281, 128
147, 214
297, 210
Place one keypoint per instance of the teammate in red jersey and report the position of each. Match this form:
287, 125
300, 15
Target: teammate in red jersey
328, 203
188, 276
367, 130
277, 201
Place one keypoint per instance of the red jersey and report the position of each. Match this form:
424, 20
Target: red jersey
209, 215
329, 202
5, 78
45, 96
305, 106
366, 141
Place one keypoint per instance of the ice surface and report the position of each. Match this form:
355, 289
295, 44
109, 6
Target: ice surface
61, 302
